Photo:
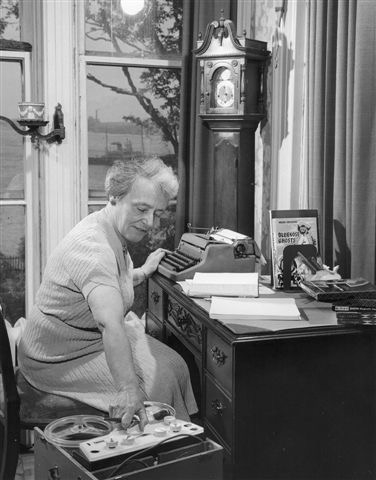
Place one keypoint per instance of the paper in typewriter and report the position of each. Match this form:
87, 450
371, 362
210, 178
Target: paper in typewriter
227, 236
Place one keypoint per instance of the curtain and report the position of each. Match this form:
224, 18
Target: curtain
341, 134
195, 168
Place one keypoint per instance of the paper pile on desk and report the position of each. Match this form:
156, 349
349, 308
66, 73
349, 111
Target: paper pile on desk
254, 309
226, 284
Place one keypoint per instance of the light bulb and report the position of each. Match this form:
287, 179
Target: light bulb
132, 7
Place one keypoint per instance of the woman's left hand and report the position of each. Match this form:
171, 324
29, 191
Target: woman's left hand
152, 262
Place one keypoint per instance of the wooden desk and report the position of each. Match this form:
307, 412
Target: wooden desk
294, 404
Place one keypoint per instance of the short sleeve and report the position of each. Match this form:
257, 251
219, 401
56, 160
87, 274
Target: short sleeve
90, 261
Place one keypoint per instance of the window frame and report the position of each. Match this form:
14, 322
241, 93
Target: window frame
101, 60
31, 188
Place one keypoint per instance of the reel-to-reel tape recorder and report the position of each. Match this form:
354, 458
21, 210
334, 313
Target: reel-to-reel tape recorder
98, 443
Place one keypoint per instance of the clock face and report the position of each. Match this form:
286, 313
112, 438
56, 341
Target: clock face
224, 93
224, 89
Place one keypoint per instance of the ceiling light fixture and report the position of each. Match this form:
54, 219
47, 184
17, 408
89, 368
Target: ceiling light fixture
132, 7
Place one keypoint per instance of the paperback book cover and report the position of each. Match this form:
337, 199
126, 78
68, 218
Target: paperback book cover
335, 290
355, 305
291, 227
356, 318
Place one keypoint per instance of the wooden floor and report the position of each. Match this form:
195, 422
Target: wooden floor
25, 468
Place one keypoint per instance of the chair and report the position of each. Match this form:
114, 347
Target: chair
24, 407
9, 408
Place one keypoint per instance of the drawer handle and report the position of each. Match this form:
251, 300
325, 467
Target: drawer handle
184, 321
218, 407
218, 356
155, 297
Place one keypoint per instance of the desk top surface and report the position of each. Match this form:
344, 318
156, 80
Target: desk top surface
317, 317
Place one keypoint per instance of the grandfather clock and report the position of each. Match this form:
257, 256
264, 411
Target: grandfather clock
232, 76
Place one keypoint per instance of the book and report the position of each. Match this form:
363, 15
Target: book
222, 308
356, 318
227, 284
335, 290
355, 305
356, 315
291, 227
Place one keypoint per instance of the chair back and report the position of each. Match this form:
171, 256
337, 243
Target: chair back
9, 408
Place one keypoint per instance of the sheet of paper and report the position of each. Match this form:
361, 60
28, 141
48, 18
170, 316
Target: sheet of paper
254, 308
227, 236
226, 284
230, 278
310, 317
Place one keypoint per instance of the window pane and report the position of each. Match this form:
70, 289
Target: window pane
154, 32
132, 112
9, 20
12, 261
12, 150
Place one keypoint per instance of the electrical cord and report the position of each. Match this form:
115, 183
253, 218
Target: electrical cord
141, 452
138, 460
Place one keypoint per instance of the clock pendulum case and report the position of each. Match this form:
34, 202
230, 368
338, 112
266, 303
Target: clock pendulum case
232, 77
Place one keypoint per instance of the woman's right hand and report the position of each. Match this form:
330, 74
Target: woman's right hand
126, 404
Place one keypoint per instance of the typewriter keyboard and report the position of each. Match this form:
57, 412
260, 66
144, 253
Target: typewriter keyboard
178, 261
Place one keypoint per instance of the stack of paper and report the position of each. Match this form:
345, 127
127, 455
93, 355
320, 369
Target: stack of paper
254, 309
226, 284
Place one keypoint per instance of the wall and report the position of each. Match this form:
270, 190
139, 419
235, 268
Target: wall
279, 165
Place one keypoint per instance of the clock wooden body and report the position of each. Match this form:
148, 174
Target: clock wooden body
232, 95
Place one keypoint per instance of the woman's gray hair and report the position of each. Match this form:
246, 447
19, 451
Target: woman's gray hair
122, 174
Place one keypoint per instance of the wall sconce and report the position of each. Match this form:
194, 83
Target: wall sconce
31, 116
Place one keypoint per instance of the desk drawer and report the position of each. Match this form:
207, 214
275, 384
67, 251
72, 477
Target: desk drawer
185, 324
155, 299
219, 360
227, 456
219, 411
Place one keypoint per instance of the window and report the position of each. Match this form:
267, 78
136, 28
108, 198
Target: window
132, 67
10, 20
18, 183
19, 225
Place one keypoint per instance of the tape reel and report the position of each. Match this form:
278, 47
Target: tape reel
71, 431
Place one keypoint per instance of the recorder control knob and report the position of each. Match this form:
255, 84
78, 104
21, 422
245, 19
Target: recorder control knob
168, 419
175, 426
111, 443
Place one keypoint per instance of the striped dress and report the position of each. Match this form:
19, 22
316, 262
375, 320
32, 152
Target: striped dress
61, 349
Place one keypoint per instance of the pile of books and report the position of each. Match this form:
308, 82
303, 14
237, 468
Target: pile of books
338, 290
357, 311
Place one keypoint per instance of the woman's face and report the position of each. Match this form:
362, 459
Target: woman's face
134, 213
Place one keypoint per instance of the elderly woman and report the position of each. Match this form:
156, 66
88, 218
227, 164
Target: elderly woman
81, 340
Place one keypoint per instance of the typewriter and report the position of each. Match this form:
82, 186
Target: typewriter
219, 250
